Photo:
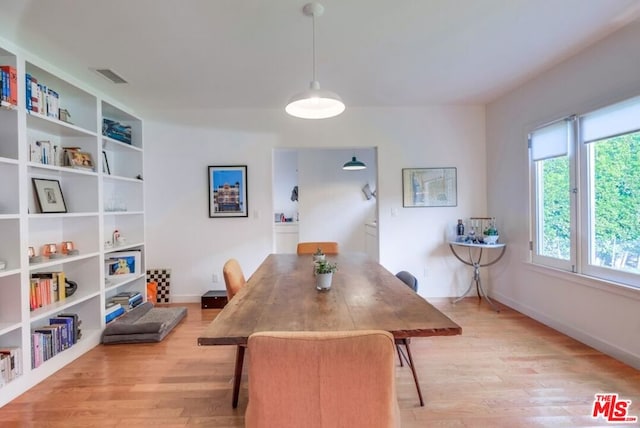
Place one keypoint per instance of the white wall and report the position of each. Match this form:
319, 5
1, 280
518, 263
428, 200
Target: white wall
179, 145
594, 312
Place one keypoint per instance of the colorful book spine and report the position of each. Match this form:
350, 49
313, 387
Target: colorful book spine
28, 91
12, 90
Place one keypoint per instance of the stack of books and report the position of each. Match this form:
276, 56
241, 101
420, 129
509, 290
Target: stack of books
112, 311
47, 341
10, 364
128, 299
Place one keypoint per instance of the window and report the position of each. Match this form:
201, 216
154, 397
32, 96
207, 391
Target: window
585, 175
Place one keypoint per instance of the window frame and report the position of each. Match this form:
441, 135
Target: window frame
581, 206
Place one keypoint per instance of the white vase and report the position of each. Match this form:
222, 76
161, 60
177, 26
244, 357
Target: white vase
323, 281
318, 257
490, 239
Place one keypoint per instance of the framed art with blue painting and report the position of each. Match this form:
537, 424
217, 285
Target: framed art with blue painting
227, 191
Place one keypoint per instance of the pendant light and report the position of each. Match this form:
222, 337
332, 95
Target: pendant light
314, 103
354, 165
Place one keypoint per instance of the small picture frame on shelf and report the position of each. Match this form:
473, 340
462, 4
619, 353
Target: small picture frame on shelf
80, 160
49, 196
105, 164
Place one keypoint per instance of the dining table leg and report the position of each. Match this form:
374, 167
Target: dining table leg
237, 375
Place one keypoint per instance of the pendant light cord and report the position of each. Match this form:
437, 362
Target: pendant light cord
313, 17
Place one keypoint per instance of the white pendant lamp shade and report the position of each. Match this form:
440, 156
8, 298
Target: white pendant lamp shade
354, 165
314, 103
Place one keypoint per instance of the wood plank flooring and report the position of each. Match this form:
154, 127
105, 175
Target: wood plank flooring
505, 370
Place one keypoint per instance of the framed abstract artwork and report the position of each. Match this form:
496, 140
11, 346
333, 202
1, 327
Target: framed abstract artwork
429, 187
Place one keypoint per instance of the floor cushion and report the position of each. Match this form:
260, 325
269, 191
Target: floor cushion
144, 323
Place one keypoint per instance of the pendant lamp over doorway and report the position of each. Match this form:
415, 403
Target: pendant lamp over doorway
354, 165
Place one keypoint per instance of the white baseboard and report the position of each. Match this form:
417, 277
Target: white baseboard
185, 299
577, 334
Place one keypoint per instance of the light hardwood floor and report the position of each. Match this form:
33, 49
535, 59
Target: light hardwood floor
505, 370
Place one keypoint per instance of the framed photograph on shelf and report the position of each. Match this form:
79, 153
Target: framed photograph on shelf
429, 187
80, 160
227, 191
105, 164
49, 196
122, 264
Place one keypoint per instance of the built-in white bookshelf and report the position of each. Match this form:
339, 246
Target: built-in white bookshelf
99, 199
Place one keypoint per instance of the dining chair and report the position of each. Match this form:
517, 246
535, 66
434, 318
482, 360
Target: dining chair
322, 379
234, 281
233, 277
327, 247
412, 282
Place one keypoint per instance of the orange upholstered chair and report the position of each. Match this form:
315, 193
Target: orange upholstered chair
322, 380
233, 277
311, 247
234, 281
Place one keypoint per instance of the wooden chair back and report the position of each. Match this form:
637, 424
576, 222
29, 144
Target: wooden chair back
311, 247
233, 277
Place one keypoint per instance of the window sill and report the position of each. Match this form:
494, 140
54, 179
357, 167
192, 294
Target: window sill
589, 281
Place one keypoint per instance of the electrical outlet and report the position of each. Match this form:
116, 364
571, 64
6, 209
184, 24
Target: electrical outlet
215, 278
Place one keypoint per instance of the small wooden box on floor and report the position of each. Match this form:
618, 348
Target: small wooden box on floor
214, 299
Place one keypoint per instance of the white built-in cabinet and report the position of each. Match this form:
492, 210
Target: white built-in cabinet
98, 203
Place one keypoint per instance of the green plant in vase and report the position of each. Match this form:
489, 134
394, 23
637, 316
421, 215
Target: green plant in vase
324, 271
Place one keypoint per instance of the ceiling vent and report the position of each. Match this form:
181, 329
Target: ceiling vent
110, 75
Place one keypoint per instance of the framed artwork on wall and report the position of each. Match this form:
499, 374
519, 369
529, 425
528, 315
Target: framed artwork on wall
49, 196
429, 187
227, 191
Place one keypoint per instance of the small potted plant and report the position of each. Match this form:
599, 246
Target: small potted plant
324, 274
491, 233
318, 255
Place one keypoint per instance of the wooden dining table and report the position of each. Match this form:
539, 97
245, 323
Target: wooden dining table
281, 296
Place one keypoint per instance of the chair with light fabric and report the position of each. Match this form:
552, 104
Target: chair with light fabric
322, 379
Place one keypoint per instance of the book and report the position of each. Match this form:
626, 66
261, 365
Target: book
27, 79
68, 329
115, 313
14, 357
77, 333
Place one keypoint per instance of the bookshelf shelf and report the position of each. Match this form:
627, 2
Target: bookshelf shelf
34, 143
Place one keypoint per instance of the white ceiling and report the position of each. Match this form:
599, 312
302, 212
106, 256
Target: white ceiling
257, 53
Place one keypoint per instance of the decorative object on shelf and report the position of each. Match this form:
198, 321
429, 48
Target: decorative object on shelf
68, 248
429, 187
49, 249
65, 116
105, 164
491, 234
314, 103
70, 287
123, 263
324, 274
227, 191
116, 130
80, 160
33, 258
354, 165
460, 229
3, 265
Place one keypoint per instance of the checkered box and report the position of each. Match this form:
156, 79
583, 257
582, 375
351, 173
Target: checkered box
162, 277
